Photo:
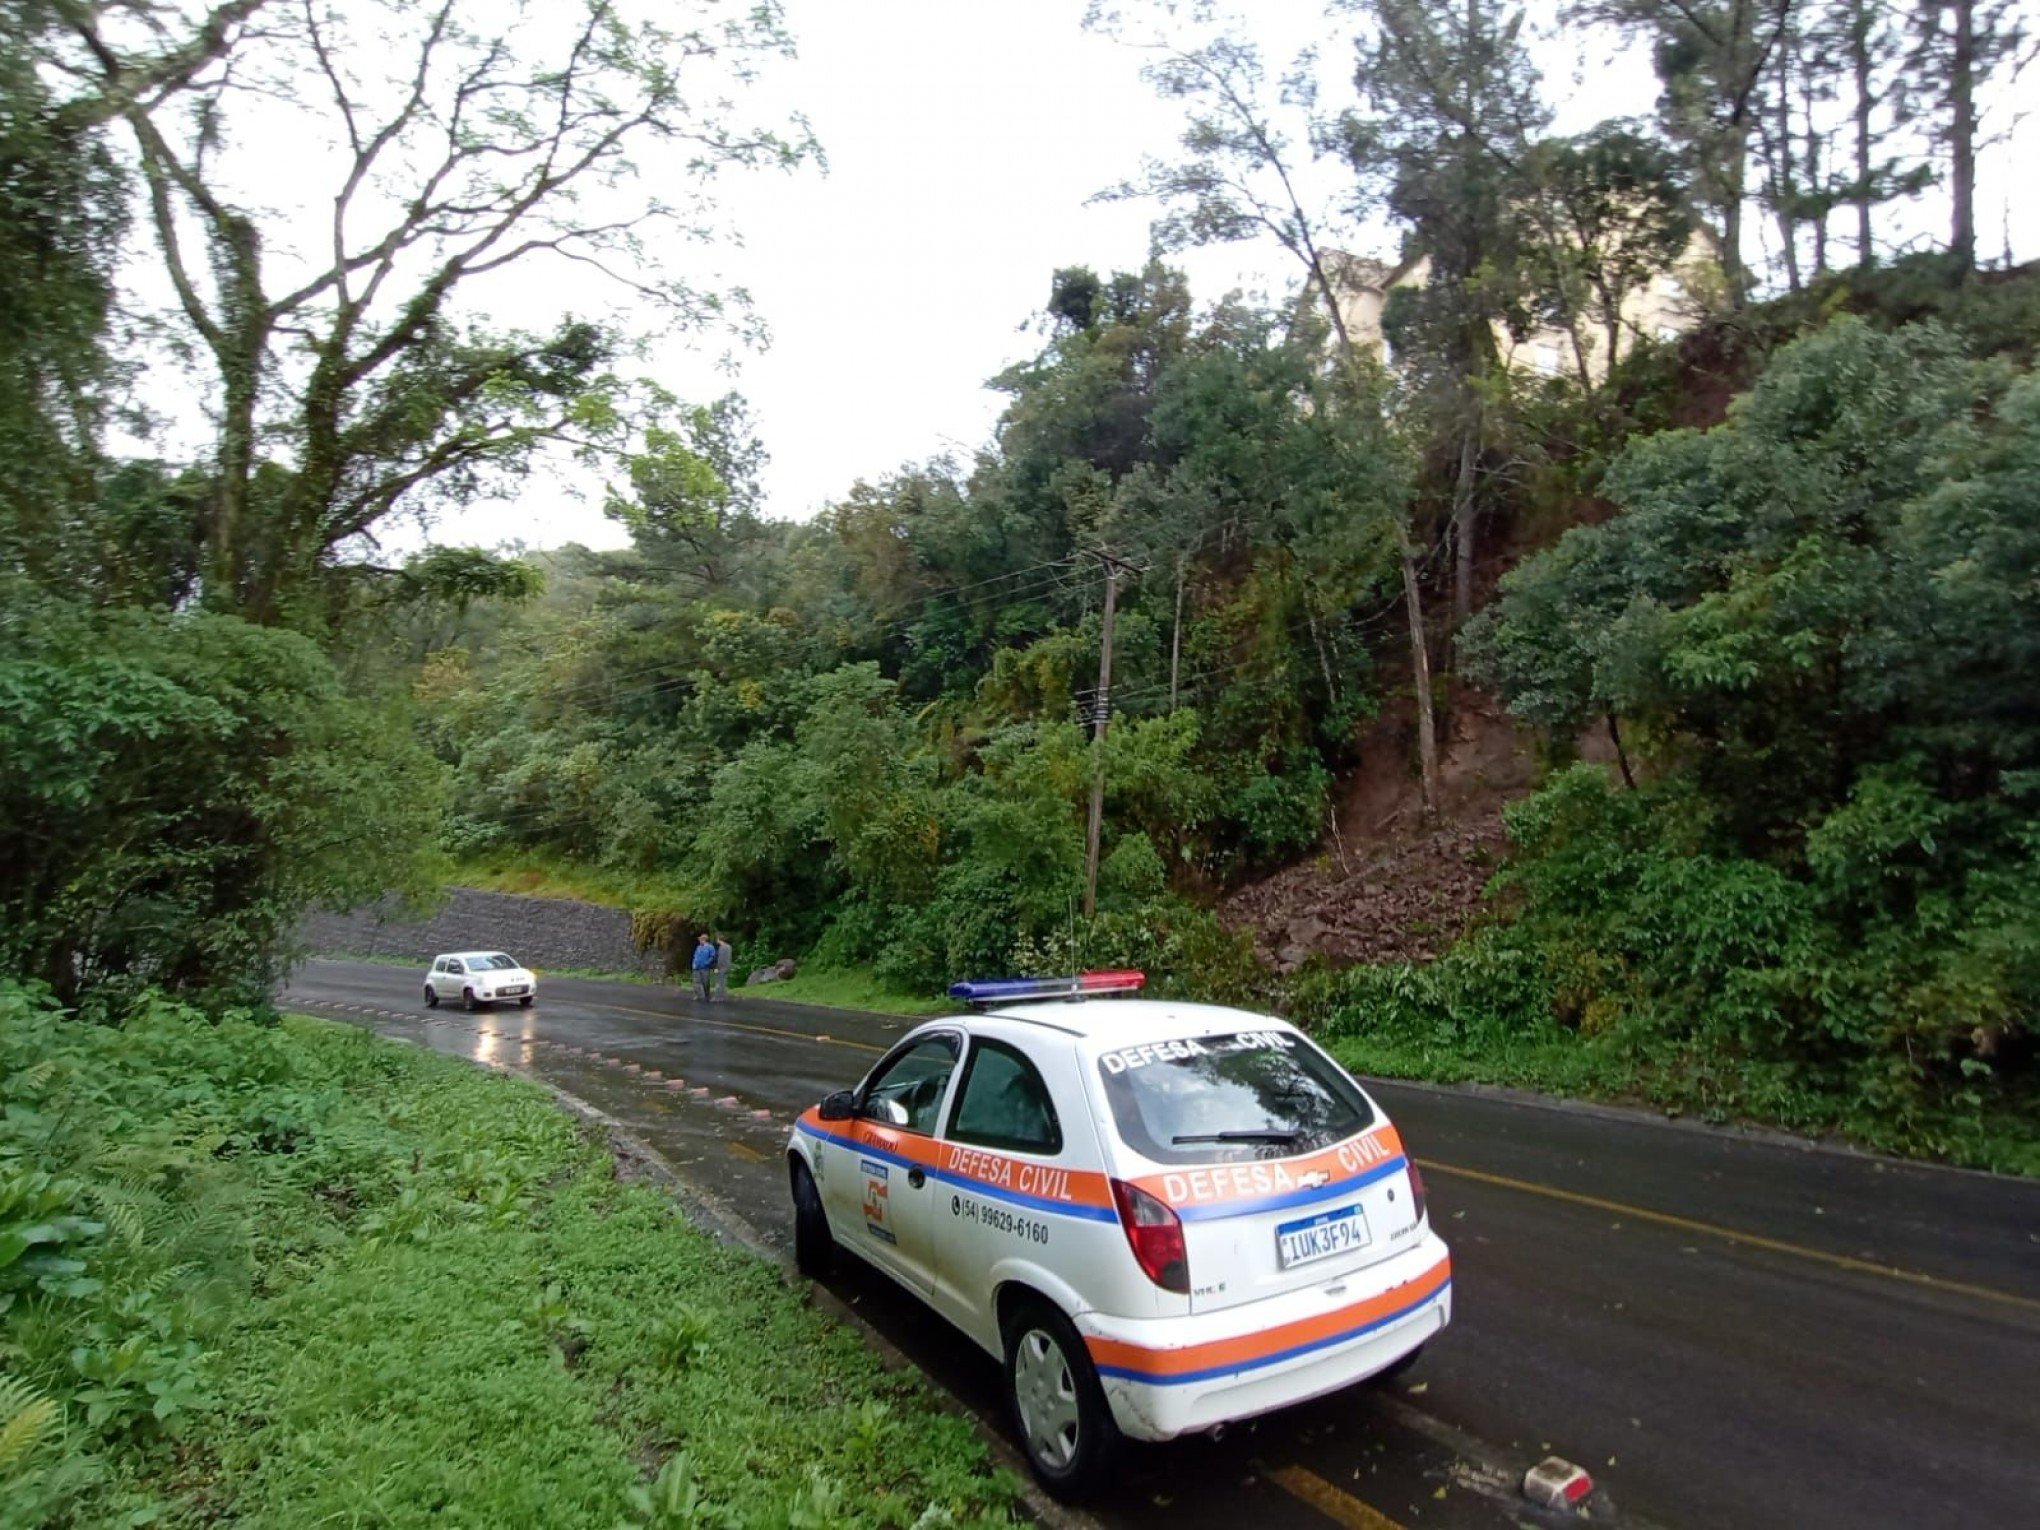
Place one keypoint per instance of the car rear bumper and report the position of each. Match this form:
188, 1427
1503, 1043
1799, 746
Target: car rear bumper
1172, 1376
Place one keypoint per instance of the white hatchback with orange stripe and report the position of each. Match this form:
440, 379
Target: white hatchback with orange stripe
1161, 1217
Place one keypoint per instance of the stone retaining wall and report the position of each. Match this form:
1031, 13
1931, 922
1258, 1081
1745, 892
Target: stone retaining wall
543, 933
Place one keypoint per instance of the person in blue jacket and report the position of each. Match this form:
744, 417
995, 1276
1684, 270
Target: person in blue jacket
704, 966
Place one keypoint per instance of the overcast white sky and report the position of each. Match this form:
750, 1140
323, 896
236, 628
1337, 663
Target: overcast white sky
964, 140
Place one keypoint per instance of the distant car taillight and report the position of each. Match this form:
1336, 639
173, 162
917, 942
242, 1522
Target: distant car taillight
1155, 1234
1417, 1188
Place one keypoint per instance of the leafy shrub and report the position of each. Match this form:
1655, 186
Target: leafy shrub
1820, 622
179, 788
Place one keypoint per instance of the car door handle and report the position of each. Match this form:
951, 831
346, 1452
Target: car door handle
917, 1177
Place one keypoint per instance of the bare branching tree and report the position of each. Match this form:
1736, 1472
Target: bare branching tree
459, 138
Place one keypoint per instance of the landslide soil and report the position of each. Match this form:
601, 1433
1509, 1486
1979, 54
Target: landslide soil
1384, 886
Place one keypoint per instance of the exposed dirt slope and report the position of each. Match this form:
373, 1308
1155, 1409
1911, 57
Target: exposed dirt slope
1385, 886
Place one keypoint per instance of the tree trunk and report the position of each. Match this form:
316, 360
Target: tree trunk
1731, 226
1621, 754
1317, 641
1783, 182
226, 558
1465, 511
1859, 63
1093, 828
1962, 136
1176, 639
1816, 174
1420, 665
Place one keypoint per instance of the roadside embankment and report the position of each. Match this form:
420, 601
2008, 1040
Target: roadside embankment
296, 1274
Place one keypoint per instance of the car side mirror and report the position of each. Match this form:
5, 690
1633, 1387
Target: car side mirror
840, 1106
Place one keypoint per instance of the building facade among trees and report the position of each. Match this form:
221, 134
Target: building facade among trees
1665, 305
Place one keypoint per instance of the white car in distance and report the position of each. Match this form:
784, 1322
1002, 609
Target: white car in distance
479, 977
1162, 1218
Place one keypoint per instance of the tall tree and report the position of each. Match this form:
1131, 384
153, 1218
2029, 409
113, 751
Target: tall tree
1606, 212
1865, 34
64, 202
1246, 143
469, 138
1449, 108
61, 200
1713, 57
1959, 47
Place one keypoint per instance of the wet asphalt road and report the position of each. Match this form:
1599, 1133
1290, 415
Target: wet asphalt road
1725, 1330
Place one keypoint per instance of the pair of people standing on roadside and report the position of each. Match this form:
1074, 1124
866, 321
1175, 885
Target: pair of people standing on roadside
711, 968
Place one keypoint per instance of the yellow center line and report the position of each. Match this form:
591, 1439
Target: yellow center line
1335, 1503
1730, 1235
738, 1025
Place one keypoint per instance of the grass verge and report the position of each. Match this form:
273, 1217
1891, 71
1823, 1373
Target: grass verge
1682, 1082
854, 988
293, 1275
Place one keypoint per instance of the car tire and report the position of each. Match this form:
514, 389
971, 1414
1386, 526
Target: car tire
467, 999
525, 1002
431, 997
1395, 1368
1063, 1423
814, 1246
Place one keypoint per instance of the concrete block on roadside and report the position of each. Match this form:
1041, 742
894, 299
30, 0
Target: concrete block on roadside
676, 1083
1555, 1483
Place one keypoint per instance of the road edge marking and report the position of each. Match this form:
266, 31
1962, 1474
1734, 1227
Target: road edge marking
1329, 1499
738, 1025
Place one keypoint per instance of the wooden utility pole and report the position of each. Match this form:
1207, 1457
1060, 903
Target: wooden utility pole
1114, 567
1176, 642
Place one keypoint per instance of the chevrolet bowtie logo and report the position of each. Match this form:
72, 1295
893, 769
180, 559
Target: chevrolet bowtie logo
1315, 1178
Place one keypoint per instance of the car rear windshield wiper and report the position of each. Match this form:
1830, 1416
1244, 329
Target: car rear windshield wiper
1269, 1134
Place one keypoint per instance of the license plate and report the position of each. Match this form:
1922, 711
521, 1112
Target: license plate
515, 988
1324, 1236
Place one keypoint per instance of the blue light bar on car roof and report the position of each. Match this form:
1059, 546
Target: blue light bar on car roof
1082, 985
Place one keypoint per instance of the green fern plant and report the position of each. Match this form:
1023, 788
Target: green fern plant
27, 1418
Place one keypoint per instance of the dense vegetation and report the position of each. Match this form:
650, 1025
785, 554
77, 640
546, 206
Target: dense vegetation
281, 1274
272, 1271
1818, 622
1804, 887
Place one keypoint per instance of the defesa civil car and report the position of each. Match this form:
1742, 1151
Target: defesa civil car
1161, 1218
475, 978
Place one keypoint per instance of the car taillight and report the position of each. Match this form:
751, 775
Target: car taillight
1155, 1234
1417, 1188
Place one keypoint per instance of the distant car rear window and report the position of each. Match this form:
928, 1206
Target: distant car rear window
496, 963
1230, 1097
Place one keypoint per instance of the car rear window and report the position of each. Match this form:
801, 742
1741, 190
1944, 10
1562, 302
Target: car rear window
1230, 1097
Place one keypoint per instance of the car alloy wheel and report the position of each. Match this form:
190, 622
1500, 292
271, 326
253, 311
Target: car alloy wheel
1047, 1396
431, 997
1059, 1408
525, 1002
467, 998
